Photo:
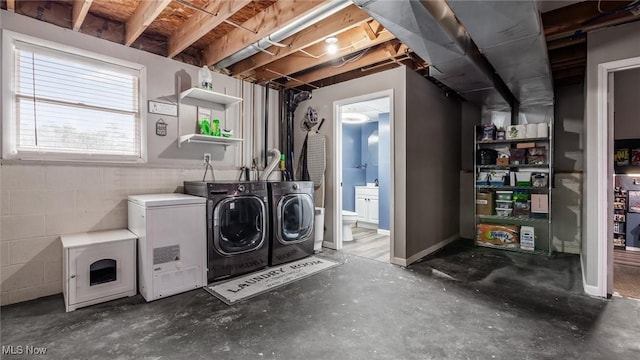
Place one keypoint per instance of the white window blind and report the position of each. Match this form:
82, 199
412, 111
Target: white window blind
71, 104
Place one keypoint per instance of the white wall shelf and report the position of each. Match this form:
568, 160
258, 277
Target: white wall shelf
210, 96
207, 139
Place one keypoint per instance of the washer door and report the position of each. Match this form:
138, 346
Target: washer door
239, 224
295, 218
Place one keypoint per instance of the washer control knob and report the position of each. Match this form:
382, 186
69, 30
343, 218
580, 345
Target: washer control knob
241, 188
295, 186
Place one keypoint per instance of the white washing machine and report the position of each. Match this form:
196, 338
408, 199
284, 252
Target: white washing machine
172, 250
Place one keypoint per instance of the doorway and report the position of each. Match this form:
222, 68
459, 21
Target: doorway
606, 190
364, 200
623, 111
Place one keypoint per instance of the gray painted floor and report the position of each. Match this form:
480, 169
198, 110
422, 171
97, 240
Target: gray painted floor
464, 303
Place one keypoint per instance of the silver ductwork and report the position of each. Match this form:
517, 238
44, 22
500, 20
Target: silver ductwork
493, 53
432, 31
319, 13
511, 37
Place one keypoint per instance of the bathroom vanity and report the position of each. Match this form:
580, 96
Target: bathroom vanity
367, 206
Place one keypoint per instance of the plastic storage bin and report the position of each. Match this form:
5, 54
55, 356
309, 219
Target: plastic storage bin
504, 195
504, 204
503, 212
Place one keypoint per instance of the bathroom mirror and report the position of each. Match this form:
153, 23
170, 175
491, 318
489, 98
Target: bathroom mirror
372, 141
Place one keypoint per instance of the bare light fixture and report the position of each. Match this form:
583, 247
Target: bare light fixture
332, 45
354, 118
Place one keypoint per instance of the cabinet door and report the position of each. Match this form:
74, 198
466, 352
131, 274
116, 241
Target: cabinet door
373, 209
361, 208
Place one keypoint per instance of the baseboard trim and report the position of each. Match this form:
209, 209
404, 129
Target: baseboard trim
367, 225
589, 289
384, 232
425, 252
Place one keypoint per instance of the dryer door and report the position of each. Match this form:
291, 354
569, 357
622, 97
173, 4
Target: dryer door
239, 224
295, 218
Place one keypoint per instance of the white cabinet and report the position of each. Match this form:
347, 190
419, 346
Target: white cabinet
367, 206
97, 267
172, 243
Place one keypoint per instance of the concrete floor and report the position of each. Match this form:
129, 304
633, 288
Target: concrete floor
464, 303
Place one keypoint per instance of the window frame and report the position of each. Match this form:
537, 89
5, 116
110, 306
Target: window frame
9, 123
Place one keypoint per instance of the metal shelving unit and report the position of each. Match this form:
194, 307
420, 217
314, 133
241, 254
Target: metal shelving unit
543, 226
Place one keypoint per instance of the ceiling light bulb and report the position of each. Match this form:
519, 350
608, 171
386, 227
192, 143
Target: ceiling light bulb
332, 45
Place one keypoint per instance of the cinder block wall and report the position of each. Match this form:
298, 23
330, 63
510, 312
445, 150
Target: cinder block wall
41, 202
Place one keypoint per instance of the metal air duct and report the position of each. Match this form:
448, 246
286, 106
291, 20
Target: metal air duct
432, 30
509, 34
319, 13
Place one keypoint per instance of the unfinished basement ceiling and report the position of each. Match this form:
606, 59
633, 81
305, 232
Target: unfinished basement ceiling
226, 35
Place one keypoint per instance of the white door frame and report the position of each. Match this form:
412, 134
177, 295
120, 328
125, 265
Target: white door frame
604, 162
337, 140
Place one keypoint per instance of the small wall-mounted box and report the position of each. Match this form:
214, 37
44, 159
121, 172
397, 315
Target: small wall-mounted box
98, 267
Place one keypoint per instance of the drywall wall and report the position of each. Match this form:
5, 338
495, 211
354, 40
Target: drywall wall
617, 43
41, 201
323, 101
352, 172
627, 104
384, 172
433, 146
366, 148
471, 117
568, 164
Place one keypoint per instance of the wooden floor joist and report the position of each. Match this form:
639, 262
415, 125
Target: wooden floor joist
79, 12
349, 42
145, 13
373, 56
272, 18
343, 20
199, 24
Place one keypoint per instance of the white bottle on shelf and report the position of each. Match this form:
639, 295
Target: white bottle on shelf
205, 79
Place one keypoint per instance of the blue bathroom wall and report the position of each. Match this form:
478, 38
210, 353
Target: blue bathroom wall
384, 171
372, 170
351, 158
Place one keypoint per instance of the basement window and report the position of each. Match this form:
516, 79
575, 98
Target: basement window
69, 104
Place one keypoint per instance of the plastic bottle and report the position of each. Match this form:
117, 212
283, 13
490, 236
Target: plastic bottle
283, 168
205, 78
215, 127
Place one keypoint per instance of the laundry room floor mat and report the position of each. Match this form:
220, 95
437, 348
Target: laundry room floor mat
250, 285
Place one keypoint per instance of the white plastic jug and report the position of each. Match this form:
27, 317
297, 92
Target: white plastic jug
205, 79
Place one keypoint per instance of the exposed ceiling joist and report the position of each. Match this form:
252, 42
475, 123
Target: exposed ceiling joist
345, 19
371, 33
200, 24
350, 41
79, 12
380, 53
11, 5
145, 13
565, 42
275, 16
583, 16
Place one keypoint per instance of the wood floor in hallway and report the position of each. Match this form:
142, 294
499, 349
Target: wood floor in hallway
369, 244
626, 273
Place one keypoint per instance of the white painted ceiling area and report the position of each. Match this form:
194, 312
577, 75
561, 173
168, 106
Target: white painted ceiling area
370, 108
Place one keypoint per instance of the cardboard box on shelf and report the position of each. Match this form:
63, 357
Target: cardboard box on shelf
525, 145
484, 203
498, 235
540, 203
